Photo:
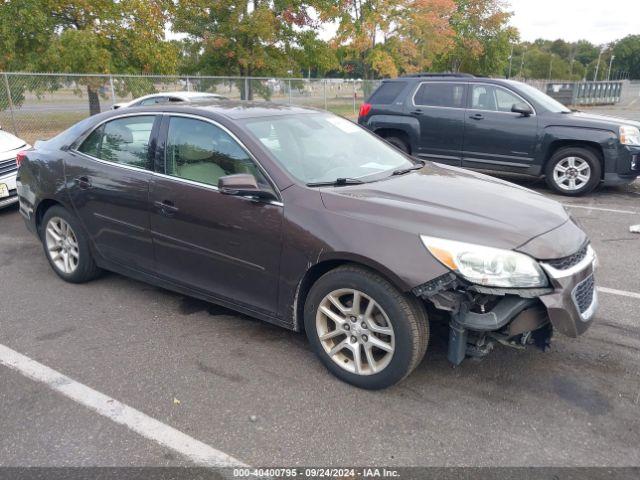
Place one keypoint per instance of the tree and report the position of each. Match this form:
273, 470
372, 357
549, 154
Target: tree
244, 37
482, 37
78, 36
627, 52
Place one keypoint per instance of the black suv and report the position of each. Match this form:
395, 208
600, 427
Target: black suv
503, 125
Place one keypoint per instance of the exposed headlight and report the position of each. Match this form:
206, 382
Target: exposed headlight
491, 267
629, 135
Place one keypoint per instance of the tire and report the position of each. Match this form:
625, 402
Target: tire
58, 240
577, 162
396, 320
399, 144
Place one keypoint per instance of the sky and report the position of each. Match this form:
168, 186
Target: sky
598, 21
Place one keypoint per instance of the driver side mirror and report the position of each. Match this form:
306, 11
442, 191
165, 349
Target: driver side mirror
523, 109
243, 185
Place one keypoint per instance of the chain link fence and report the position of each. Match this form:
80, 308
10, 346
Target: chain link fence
37, 106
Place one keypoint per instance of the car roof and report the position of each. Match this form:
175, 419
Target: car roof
233, 109
448, 78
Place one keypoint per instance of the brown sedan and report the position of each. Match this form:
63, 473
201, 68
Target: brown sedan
306, 220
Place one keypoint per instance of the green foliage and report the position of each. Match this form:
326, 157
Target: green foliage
627, 53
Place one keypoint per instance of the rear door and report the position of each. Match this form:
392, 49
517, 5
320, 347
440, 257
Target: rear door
226, 246
496, 138
108, 178
440, 110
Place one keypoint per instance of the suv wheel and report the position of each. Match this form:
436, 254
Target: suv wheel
364, 330
67, 247
399, 144
573, 171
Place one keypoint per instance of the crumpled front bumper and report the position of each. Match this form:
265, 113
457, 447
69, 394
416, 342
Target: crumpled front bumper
572, 305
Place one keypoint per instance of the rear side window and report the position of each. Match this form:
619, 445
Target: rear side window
440, 94
387, 93
124, 141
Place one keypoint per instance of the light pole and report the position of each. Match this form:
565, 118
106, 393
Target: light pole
613, 57
595, 77
510, 61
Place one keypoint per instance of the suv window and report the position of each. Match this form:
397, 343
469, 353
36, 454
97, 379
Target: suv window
202, 152
124, 141
495, 99
152, 101
441, 94
387, 93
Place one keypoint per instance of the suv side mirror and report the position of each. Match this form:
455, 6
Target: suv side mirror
243, 185
522, 108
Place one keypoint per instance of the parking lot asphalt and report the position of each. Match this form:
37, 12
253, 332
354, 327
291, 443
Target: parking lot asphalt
257, 392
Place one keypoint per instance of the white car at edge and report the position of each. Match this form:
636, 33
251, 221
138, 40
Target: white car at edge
10, 146
169, 97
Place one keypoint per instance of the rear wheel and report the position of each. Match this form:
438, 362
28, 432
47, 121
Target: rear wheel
399, 143
573, 171
364, 330
67, 247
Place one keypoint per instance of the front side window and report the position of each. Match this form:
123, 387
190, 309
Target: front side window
124, 141
440, 94
152, 101
202, 152
323, 147
494, 99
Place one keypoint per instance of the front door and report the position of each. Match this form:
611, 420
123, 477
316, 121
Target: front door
108, 178
440, 110
225, 246
495, 137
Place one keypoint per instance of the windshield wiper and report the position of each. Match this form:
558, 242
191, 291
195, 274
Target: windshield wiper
417, 166
338, 182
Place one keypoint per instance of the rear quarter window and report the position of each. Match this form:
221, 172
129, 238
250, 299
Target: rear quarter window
387, 93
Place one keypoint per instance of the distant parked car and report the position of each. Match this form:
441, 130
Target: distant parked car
10, 146
505, 126
169, 97
308, 221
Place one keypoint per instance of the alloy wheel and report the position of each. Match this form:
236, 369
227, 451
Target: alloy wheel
355, 331
571, 173
62, 245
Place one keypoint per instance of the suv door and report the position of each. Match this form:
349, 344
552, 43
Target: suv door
108, 183
495, 137
224, 245
440, 110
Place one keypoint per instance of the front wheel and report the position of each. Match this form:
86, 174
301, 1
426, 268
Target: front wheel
364, 330
573, 171
67, 246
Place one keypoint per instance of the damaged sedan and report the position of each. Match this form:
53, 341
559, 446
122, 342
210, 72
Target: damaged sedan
308, 221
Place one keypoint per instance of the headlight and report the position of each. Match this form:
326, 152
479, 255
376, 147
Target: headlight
491, 267
629, 135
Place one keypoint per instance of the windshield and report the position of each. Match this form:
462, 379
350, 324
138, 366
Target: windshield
323, 147
542, 99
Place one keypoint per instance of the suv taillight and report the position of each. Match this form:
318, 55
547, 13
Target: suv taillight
20, 157
365, 108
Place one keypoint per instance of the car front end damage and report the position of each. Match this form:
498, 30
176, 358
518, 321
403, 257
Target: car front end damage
480, 317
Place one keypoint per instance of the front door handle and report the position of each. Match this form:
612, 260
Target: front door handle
416, 112
83, 182
477, 116
167, 207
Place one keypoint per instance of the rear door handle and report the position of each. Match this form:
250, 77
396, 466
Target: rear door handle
166, 207
83, 182
477, 116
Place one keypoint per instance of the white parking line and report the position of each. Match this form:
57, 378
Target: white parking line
622, 293
200, 453
613, 210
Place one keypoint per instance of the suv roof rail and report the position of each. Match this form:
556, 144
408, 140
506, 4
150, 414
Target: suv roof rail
443, 74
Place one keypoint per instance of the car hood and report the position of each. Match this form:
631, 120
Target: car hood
448, 202
9, 143
591, 120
